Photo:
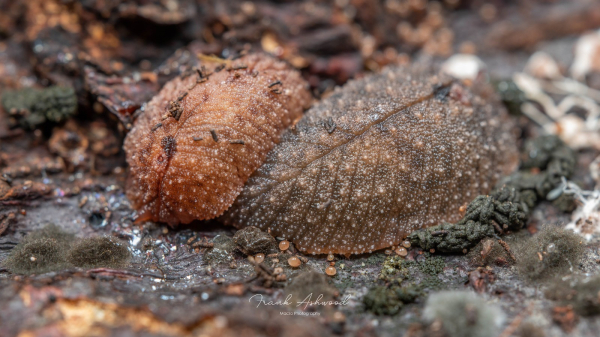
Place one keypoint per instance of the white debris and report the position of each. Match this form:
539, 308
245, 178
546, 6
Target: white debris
587, 56
541, 79
542, 65
463, 66
585, 220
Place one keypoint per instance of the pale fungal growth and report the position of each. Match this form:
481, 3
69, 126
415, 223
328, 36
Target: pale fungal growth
463, 314
284, 245
552, 252
294, 262
259, 258
401, 251
541, 79
585, 220
377, 159
203, 135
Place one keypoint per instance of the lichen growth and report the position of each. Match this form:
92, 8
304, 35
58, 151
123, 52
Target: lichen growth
30, 108
394, 269
431, 265
463, 314
402, 285
551, 252
99, 251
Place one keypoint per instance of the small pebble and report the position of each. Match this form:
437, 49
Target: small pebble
294, 262
260, 257
284, 245
330, 271
401, 251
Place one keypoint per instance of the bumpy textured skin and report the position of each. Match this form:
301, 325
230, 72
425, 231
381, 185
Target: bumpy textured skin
408, 149
174, 176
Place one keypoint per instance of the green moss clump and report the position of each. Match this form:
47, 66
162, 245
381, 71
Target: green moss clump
389, 299
463, 314
383, 300
29, 108
394, 269
432, 265
583, 294
99, 251
549, 253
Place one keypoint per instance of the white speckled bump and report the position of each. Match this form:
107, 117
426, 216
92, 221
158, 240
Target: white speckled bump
194, 167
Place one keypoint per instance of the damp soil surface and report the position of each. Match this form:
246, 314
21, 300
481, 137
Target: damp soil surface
193, 280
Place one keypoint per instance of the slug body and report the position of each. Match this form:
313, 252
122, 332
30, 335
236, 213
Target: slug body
203, 135
379, 158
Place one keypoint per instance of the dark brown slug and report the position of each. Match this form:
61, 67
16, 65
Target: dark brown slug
203, 135
379, 158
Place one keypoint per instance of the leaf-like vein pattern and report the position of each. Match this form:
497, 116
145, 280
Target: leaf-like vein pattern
409, 148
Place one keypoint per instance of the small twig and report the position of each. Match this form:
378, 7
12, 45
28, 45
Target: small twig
507, 249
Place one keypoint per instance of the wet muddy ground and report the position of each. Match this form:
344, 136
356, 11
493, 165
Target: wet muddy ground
116, 56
